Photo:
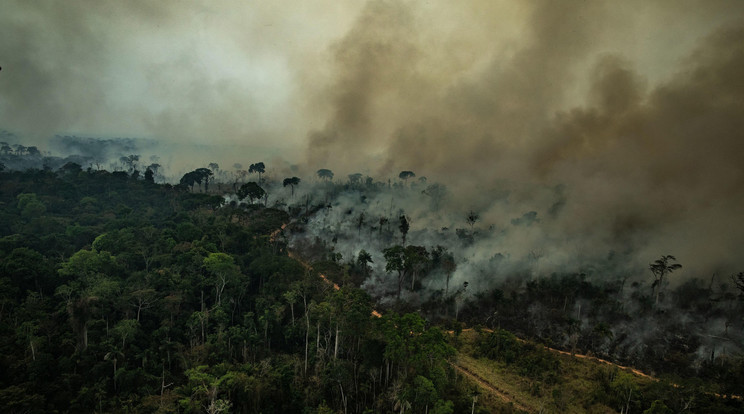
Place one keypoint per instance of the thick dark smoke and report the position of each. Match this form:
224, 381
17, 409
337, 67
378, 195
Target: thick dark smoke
618, 123
649, 156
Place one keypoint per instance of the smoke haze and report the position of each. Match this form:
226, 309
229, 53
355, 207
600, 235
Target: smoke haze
620, 124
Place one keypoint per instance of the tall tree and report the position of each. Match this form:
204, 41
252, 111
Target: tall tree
251, 190
325, 174
129, 162
660, 268
396, 261
190, 179
417, 259
405, 175
205, 174
222, 266
259, 168
291, 182
363, 261
198, 176
404, 226
446, 262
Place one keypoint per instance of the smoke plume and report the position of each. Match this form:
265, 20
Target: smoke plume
618, 123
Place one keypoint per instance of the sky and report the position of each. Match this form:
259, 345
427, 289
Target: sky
633, 109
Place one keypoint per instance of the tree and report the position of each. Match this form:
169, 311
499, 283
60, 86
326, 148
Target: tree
404, 227
222, 266
437, 193
658, 407
259, 168
142, 298
26, 268
149, 175
739, 282
291, 182
411, 345
205, 174
623, 387
33, 151
197, 177
203, 390
360, 223
30, 206
405, 175
125, 329
355, 179
660, 268
291, 296
408, 260
251, 190
189, 180
417, 259
325, 174
395, 257
383, 222
129, 162
363, 261
239, 176
448, 264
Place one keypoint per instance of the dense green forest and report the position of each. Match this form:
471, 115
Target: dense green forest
120, 294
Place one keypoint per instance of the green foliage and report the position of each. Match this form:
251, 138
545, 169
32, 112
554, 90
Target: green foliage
531, 361
658, 407
410, 344
252, 191
30, 206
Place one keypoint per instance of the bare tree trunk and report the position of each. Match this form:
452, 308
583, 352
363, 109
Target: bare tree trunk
335, 347
343, 399
307, 331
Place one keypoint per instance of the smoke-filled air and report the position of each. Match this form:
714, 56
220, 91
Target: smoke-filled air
618, 123
494, 144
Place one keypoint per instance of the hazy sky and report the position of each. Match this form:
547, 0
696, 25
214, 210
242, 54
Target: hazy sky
637, 107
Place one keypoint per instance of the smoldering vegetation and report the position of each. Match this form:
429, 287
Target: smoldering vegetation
644, 153
512, 267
